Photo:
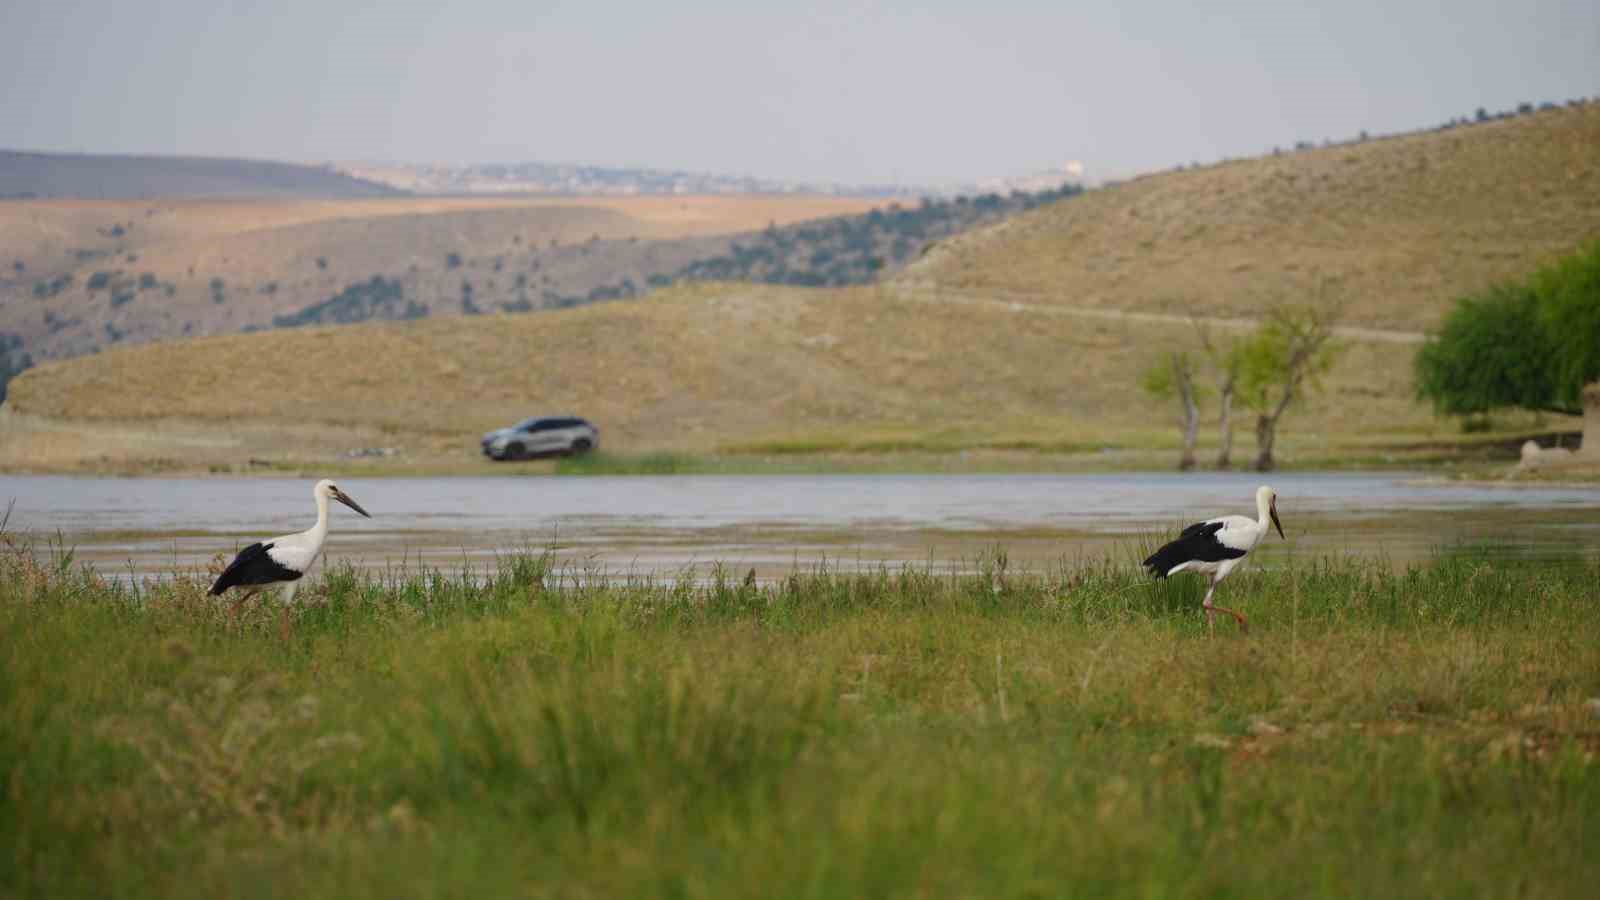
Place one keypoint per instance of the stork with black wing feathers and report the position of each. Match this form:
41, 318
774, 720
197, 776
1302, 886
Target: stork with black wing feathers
283, 560
1216, 547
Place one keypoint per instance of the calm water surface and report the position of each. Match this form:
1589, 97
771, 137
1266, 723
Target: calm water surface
663, 525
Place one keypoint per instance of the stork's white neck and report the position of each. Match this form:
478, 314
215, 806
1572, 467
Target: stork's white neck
321, 528
1263, 510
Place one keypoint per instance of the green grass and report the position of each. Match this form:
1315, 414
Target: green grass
939, 442
634, 464
900, 732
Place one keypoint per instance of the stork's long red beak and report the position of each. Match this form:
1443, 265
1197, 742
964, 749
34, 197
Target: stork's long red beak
1273, 511
344, 498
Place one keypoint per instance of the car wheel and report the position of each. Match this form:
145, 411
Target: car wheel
515, 451
581, 446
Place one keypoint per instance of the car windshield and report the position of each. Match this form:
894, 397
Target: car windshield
526, 424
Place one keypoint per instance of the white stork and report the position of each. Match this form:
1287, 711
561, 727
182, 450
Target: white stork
283, 560
1216, 547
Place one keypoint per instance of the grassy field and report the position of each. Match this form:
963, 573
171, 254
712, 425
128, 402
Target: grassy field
907, 733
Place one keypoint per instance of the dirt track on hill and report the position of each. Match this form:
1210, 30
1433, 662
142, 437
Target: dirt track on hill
1023, 301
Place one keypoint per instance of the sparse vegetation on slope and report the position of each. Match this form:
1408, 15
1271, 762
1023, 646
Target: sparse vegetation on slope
490, 257
1400, 226
227, 266
860, 249
376, 298
13, 360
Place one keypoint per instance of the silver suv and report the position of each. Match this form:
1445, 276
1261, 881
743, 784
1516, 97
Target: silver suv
551, 436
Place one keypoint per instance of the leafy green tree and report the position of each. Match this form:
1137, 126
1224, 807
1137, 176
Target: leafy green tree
1173, 375
1569, 305
1532, 345
1490, 353
1285, 359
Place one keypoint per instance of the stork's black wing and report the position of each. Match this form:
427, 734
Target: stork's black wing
254, 565
1197, 543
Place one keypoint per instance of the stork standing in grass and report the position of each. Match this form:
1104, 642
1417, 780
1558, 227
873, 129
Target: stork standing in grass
283, 560
1216, 547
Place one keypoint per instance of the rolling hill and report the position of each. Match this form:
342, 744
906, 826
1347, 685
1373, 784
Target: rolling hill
79, 276
1391, 229
25, 175
720, 368
1028, 335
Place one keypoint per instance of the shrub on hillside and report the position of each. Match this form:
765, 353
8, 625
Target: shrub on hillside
858, 249
376, 298
46, 289
13, 359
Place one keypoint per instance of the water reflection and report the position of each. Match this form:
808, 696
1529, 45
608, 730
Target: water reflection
662, 525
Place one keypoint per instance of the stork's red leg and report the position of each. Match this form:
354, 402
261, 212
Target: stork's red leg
1244, 624
1212, 609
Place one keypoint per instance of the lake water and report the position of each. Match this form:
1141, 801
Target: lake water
668, 525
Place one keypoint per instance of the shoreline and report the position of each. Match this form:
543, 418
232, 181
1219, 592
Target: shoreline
32, 445
1479, 475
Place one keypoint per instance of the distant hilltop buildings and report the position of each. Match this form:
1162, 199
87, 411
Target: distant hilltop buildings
557, 178
1070, 173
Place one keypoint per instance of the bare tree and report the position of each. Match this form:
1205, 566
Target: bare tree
1226, 361
1173, 376
1284, 359
1230, 381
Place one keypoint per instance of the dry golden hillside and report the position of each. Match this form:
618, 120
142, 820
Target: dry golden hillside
78, 275
713, 368
1029, 335
1397, 227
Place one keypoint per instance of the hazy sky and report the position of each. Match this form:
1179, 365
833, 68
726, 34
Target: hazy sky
857, 91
